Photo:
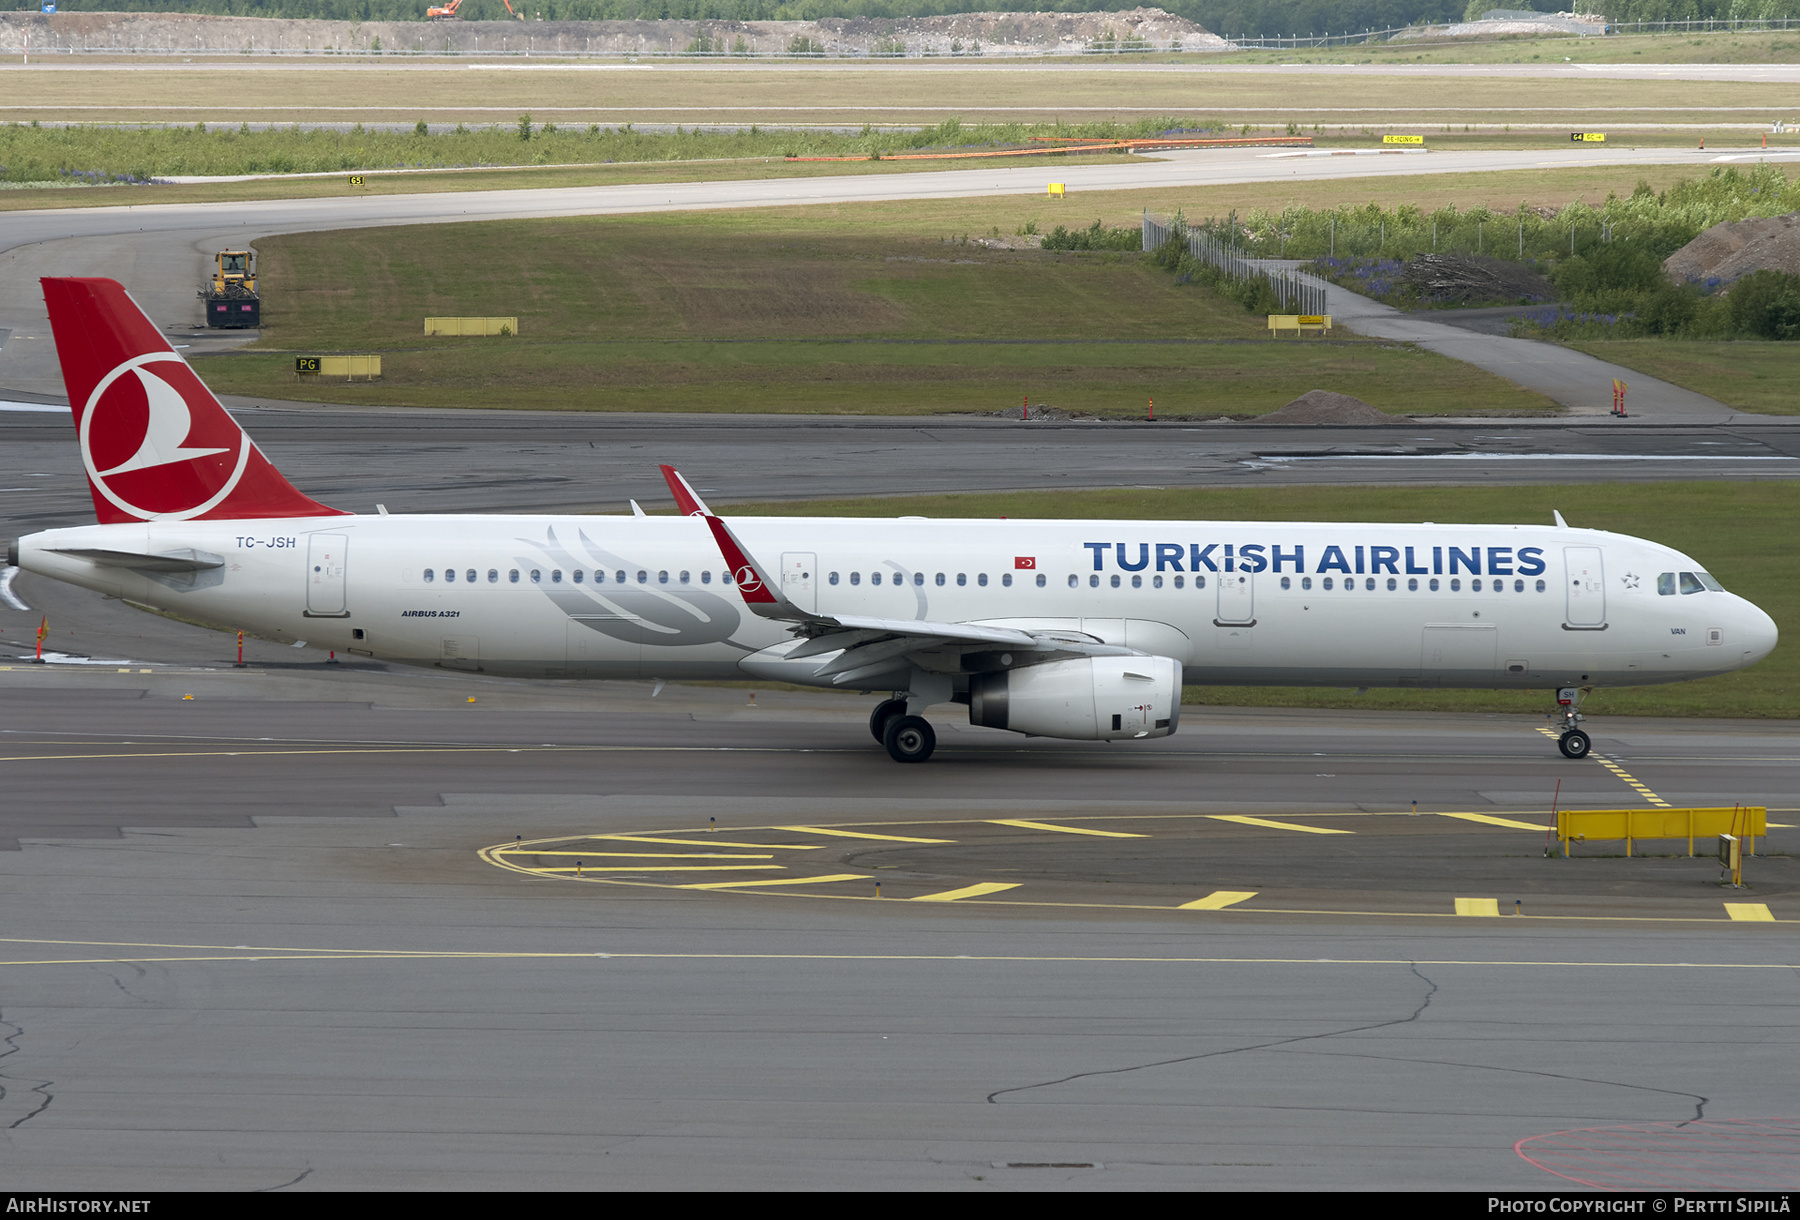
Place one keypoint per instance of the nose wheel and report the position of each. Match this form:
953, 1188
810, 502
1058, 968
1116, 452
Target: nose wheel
1574, 744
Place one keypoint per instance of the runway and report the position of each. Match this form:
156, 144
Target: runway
293, 968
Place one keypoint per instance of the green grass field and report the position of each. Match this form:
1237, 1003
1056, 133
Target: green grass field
1747, 374
1744, 533
861, 310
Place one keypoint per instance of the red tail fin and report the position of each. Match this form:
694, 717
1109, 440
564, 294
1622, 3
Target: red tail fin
156, 443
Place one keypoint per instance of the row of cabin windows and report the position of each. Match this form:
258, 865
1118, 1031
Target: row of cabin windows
1412, 584
1665, 584
536, 576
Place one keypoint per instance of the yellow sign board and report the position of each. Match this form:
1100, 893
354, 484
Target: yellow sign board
1311, 319
1057, 189
356, 180
1588, 137
1402, 139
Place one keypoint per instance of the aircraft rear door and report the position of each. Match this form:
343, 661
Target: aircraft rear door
325, 554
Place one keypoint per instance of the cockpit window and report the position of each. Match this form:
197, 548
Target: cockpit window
1665, 585
1710, 583
1691, 583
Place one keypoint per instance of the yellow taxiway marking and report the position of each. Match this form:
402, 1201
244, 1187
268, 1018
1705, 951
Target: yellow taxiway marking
969, 891
722, 885
705, 842
1631, 779
857, 834
1754, 912
1244, 819
1218, 900
653, 868
1490, 820
1478, 906
1022, 824
636, 855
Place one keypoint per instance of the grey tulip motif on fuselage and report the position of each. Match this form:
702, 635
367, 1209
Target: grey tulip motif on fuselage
664, 616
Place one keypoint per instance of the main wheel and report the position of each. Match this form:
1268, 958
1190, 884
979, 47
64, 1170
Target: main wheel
909, 739
1575, 744
885, 711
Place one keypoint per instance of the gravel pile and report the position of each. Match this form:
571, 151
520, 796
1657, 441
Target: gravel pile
1728, 251
1329, 407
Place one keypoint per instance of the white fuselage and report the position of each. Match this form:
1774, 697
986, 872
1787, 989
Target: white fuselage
1265, 603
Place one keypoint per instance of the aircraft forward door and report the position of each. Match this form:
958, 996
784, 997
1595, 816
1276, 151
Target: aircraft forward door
325, 568
1237, 599
800, 580
1586, 588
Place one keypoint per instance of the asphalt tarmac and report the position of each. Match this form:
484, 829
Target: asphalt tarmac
310, 929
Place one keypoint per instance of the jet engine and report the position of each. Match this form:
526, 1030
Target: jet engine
1086, 699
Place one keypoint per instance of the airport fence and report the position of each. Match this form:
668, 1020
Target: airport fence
1296, 293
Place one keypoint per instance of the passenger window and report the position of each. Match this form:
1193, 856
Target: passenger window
1518, 586
1006, 579
1434, 584
536, 576
1115, 580
1691, 584
470, 575
1199, 582
706, 578
1137, 582
1540, 585
1041, 581
430, 575
1456, 586
1665, 585
493, 576
831, 579
1073, 581
513, 576
1369, 583
1093, 581
1156, 582
981, 579
1287, 582
556, 577
662, 578
940, 580
1392, 584
450, 575
1305, 582
725, 578
684, 578
643, 577
874, 578
918, 578
1412, 585
619, 576
1178, 581
599, 577
1324, 584
856, 578
577, 575
962, 578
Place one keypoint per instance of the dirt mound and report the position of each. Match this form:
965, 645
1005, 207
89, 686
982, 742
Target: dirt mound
1727, 251
1446, 279
1328, 407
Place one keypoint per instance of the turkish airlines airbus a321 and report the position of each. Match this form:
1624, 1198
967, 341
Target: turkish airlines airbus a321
1075, 629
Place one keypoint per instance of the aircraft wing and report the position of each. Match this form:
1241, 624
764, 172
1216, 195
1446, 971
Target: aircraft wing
865, 646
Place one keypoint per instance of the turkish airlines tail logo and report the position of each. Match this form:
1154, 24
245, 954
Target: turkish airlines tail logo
156, 444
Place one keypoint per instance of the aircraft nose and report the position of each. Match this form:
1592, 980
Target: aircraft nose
1757, 634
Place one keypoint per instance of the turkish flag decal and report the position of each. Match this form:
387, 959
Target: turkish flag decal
1024, 563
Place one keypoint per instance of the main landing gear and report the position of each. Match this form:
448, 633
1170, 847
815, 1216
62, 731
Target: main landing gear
908, 739
1573, 743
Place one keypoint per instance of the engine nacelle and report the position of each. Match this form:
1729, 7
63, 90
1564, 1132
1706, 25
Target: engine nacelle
1087, 699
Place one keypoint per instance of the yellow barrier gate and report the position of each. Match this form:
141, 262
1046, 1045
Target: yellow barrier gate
350, 367
1745, 821
471, 326
1300, 323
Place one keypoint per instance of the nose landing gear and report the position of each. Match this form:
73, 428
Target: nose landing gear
1573, 743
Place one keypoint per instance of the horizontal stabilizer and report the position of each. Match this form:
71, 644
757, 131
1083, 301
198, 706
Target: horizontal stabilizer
184, 560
